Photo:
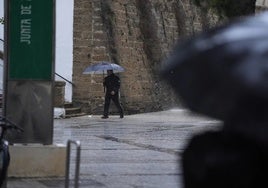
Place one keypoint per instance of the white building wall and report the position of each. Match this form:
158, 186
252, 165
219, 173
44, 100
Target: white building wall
64, 43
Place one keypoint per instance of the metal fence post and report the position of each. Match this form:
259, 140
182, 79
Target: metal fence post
77, 163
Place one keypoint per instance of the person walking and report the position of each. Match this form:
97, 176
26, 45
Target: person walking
111, 84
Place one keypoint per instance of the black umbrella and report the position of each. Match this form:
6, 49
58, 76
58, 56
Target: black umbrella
225, 70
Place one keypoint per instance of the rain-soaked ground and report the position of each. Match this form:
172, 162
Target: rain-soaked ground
140, 150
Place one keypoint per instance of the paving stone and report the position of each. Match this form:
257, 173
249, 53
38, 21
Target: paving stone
141, 150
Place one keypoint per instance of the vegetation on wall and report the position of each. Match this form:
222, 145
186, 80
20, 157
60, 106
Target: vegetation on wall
2, 20
228, 8
148, 28
108, 17
149, 25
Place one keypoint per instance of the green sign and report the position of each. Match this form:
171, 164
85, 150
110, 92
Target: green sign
30, 47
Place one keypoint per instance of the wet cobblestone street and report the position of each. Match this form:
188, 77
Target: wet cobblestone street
140, 150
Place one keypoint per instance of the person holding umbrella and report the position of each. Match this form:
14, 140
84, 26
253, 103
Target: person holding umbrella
111, 83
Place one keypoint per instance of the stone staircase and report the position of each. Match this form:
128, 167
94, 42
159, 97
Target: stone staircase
72, 111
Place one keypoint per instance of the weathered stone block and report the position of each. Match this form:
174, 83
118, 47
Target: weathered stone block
37, 161
59, 93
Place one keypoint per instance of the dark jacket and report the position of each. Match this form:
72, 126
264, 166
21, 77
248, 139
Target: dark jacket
112, 83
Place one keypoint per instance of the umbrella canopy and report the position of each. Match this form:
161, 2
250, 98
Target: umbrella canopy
101, 67
223, 71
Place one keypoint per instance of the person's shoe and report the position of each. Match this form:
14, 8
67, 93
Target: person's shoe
121, 115
104, 117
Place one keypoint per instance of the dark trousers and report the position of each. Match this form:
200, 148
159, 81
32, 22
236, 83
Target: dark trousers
115, 99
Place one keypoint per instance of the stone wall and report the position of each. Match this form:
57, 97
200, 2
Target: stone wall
137, 35
59, 92
261, 5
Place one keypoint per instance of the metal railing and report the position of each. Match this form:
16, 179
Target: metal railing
64, 79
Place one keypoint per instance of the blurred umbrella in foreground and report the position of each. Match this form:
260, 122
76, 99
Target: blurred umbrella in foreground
225, 70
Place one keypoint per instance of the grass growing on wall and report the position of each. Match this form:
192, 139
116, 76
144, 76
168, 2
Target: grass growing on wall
228, 8
109, 20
